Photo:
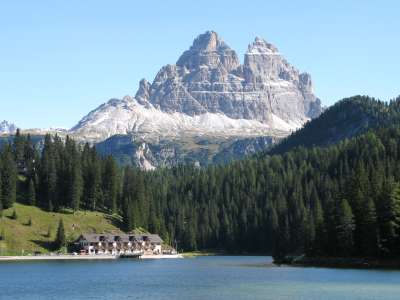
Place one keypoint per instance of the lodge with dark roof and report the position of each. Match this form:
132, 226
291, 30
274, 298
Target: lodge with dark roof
119, 244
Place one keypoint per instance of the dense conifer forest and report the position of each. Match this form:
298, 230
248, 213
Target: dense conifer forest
339, 200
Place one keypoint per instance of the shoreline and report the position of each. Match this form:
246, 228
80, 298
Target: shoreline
82, 257
56, 257
339, 262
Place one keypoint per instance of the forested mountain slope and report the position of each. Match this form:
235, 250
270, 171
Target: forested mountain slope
345, 119
339, 200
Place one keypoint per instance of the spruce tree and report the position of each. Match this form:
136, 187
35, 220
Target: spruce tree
127, 215
1, 196
389, 218
19, 144
60, 240
8, 177
31, 193
14, 215
48, 233
76, 186
368, 223
344, 228
52, 186
110, 184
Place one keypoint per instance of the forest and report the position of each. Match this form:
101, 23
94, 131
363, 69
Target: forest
341, 200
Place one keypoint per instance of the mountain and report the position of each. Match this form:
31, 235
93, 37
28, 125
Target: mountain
199, 151
345, 119
7, 127
208, 91
207, 107
206, 95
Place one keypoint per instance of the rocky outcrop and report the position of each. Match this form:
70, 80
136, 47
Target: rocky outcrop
209, 78
143, 94
198, 151
7, 127
207, 93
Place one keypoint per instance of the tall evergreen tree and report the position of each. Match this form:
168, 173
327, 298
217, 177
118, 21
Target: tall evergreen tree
344, 228
19, 145
369, 231
76, 185
1, 195
8, 177
389, 218
60, 240
31, 192
110, 184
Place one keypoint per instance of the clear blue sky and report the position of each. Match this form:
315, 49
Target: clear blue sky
61, 59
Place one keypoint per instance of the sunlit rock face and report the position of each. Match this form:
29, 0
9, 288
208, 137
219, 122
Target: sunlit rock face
7, 127
208, 91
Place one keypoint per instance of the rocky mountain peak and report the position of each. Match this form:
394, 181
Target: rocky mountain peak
209, 50
208, 41
143, 93
7, 127
210, 92
261, 46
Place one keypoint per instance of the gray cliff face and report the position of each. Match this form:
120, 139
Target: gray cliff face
207, 108
197, 151
209, 78
143, 93
7, 127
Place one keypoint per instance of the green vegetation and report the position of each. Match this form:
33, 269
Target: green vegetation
199, 253
345, 119
339, 200
18, 237
60, 240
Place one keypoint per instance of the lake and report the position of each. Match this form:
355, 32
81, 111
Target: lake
218, 277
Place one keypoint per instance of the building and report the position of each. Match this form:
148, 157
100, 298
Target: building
116, 244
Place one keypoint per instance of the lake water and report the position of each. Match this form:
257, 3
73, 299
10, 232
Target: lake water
219, 277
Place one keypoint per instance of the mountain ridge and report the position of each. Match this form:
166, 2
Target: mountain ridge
209, 86
345, 119
7, 127
206, 104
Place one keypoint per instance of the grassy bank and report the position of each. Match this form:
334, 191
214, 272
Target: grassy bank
199, 253
35, 229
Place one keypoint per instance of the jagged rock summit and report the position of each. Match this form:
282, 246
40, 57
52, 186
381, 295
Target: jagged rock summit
7, 127
209, 92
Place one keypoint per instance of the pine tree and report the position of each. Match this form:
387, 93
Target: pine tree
282, 247
48, 233
369, 233
52, 186
317, 224
127, 215
92, 180
60, 240
110, 184
19, 144
344, 229
1, 196
31, 192
272, 224
31, 158
389, 218
14, 215
8, 177
76, 186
